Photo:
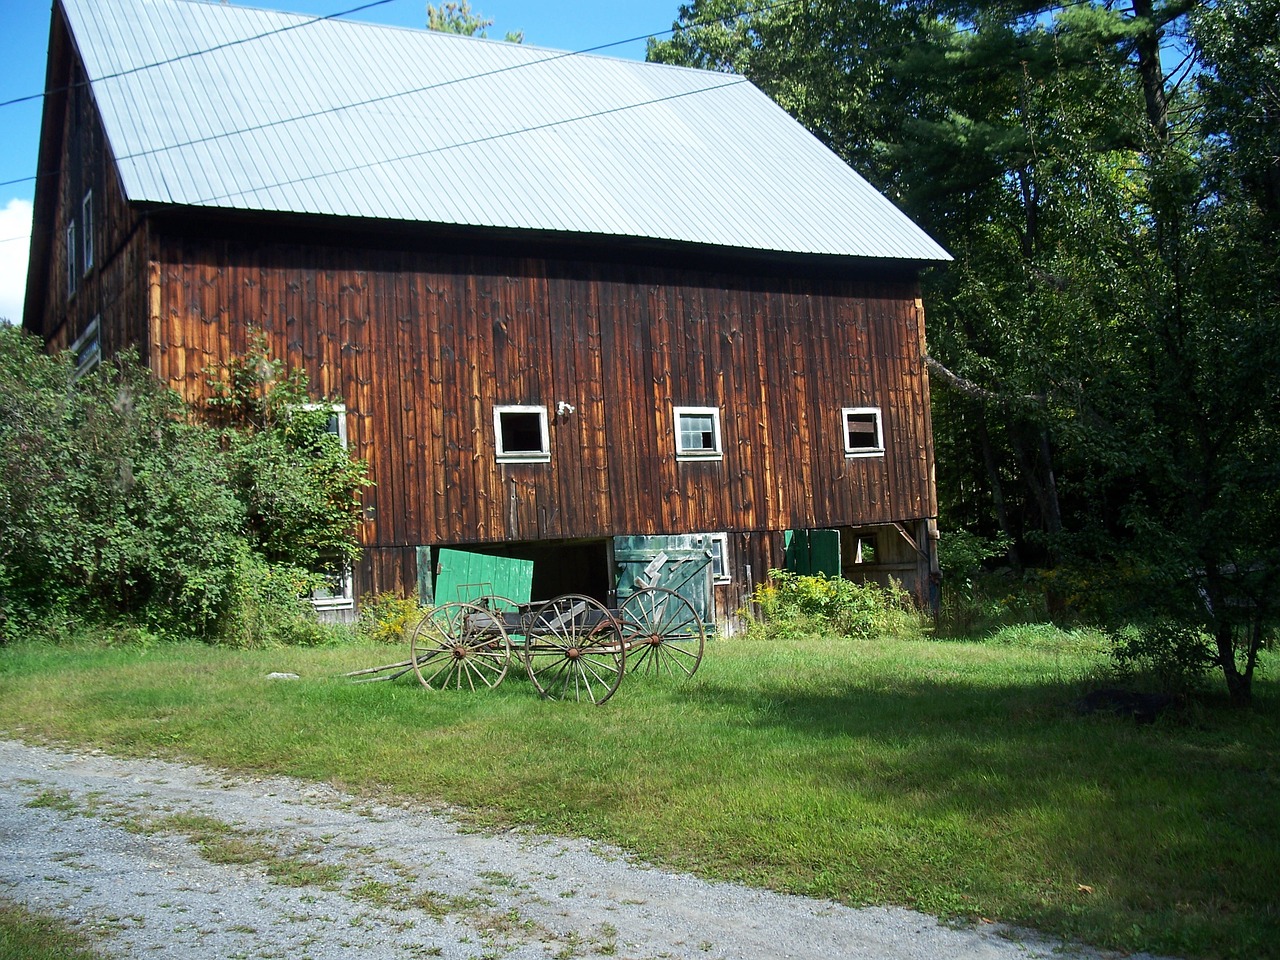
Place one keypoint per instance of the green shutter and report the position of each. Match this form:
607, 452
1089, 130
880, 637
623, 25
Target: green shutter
813, 552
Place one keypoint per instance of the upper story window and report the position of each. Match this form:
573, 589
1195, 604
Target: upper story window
71, 255
698, 433
863, 432
521, 434
87, 350
86, 226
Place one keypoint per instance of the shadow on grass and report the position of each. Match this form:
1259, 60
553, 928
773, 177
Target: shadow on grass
1082, 824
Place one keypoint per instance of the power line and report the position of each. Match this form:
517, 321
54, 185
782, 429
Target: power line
557, 55
194, 53
736, 81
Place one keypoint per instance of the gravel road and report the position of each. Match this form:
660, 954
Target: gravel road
152, 857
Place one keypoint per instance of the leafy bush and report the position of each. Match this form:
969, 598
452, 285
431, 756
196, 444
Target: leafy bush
117, 509
1172, 657
300, 488
388, 618
112, 506
793, 605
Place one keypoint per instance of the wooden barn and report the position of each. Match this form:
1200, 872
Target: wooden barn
628, 321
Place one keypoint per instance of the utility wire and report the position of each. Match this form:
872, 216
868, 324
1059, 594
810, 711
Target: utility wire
736, 81
195, 53
556, 55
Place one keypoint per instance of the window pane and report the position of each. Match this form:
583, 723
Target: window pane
862, 431
521, 432
697, 432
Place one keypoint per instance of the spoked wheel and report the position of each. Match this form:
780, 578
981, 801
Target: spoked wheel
460, 645
574, 650
663, 633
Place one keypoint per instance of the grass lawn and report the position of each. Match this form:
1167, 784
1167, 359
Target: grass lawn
951, 777
31, 936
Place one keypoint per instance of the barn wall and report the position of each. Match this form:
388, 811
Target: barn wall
422, 345
113, 288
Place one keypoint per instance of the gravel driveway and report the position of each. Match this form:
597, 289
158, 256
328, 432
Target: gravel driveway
154, 857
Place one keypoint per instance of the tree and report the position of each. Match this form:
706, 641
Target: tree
459, 18
1106, 337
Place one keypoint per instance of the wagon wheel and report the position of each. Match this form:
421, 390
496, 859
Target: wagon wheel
456, 645
574, 650
663, 632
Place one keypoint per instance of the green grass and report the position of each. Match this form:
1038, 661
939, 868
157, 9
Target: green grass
31, 936
951, 777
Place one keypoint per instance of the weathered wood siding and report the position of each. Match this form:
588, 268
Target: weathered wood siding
422, 345
114, 287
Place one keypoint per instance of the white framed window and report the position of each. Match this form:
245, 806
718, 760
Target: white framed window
71, 255
86, 225
337, 423
87, 349
698, 433
863, 431
520, 434
337, 592
718, 544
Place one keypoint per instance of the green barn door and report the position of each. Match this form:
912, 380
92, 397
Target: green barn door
459, 575
813, 551
679, 562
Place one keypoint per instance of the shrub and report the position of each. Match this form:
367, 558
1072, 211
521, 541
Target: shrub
388, 618
1172, 657
268, 606
116, 509
792, 605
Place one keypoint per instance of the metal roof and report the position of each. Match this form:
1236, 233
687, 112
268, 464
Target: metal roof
212, 105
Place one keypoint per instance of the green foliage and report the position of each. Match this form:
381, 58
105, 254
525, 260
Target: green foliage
388, 618
269, 606
113, 507
300, 488
459, 18
116, 508
794, 605
1167, 655
1109, 333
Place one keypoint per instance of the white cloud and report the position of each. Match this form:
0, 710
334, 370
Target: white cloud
15, 221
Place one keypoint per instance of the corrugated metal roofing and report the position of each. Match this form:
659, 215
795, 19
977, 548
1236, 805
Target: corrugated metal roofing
333, 117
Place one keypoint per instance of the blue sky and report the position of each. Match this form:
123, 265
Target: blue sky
24, 40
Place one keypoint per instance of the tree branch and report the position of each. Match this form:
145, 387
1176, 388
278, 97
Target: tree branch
971, 389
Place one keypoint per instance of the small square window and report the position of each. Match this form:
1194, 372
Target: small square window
698, 433
718, 544
86, 222
521, 433
863, 432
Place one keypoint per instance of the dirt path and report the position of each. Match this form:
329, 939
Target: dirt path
160, 858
